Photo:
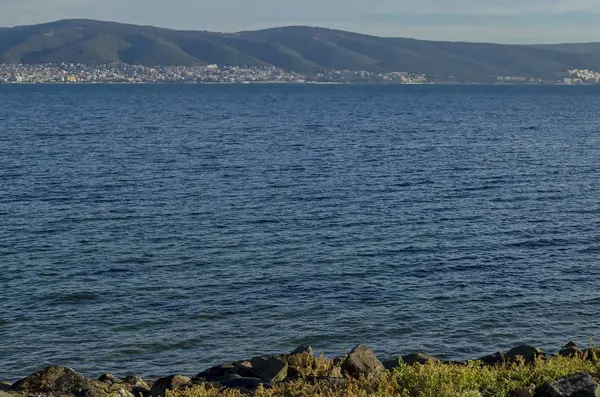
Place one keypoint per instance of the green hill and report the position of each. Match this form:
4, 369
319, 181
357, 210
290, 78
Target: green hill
296, 48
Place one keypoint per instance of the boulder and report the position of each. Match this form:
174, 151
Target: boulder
130, 385
571, 350
109, 379
219, 372
303, 349
592, 353
492, 359
134, 385
244, 384
417, 358
391, 364
160, 387
60, 381
528, 353
270, 369
5, 386
578, 385
136, 382
361, 362
123, 393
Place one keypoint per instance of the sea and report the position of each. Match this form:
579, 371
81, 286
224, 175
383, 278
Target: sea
161, 229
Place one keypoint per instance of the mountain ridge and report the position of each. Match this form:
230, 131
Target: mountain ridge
294, 48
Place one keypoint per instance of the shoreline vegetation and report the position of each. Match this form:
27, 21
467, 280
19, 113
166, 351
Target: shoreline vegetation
520, 372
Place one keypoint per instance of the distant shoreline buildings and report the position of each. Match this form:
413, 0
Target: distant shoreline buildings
137, 74
65, 73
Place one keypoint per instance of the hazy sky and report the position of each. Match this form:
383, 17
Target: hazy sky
508, 21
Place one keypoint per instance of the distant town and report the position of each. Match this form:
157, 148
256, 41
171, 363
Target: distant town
138, 74
123, 73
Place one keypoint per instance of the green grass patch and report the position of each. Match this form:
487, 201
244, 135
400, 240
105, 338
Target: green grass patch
419, 380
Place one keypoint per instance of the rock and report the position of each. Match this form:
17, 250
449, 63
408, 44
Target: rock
123, 393
219, 372
60, 381
529, 353
571, 350
5, 386
130, 385
133, 385
492, 359
136, 381
578, 385
160, 387
520, 393
303, 349
417, 358
270, 369
362, 362
592, 354
214, 373
109, 379
391, 364
244, 384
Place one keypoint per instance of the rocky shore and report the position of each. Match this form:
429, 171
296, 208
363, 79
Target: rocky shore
520, 372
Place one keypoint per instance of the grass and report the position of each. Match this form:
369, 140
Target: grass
433, 379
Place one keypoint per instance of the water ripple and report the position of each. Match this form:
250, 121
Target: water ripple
163, 229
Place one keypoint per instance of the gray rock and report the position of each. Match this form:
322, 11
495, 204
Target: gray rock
123, 393
160, 387
134, 385
571, 350
361, 362
60, 381
529, 353
578, 385
213, 373
244, 384
219, 372
303, 349
391, 364
5, 386
492, 359
417, 358
592, 353
137, 384
270, 369
109, 379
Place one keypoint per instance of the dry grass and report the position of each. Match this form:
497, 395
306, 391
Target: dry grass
428, 380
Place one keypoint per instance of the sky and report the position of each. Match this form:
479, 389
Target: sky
502, 21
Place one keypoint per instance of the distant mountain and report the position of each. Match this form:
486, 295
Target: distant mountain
296, 48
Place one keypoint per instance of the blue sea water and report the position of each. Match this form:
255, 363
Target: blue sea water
164, 229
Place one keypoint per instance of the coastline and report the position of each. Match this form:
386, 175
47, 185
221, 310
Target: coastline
279, 83
520, 372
